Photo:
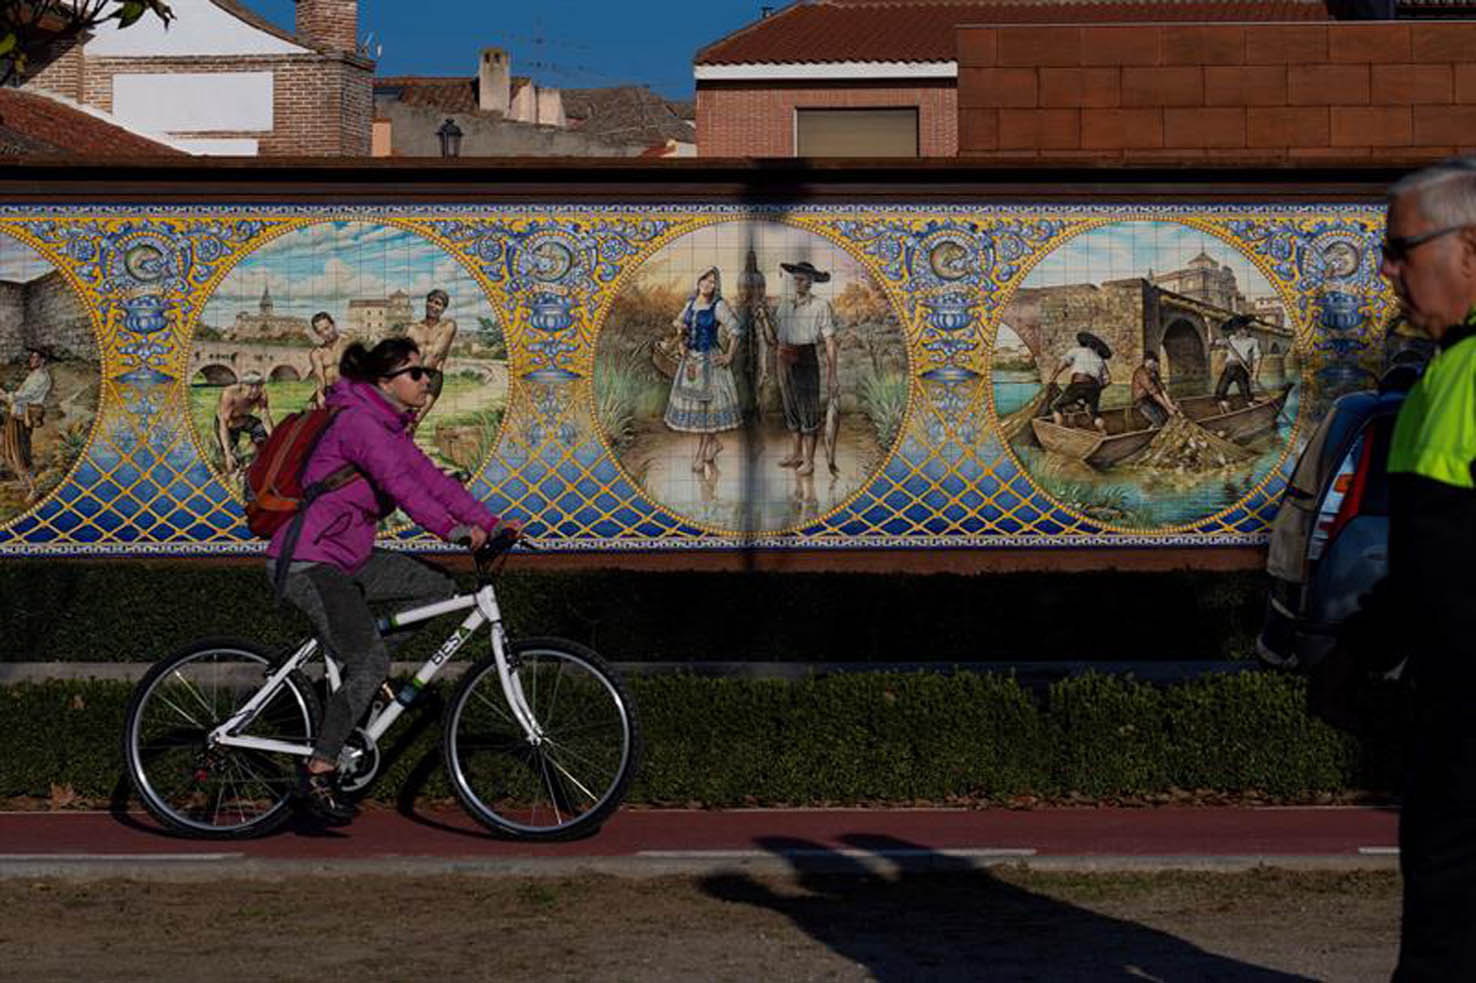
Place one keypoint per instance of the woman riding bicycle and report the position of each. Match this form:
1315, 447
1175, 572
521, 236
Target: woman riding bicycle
334, 571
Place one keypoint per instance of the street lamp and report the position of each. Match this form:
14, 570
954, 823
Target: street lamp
450, 136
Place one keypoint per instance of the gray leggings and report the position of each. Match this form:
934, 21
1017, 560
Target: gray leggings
337, 604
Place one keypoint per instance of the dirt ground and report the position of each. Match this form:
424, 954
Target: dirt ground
1006, 924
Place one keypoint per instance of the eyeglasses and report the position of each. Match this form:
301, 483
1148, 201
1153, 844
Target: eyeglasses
1396, 249
415, 372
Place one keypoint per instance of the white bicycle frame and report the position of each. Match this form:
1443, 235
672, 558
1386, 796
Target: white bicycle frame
484, 612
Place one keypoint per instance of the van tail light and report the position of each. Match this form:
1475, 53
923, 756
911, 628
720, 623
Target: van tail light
1353, 487
1341, 501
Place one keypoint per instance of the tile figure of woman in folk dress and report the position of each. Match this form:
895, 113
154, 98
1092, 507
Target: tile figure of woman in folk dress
704, 398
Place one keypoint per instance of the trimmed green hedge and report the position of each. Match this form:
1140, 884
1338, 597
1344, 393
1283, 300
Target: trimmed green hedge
139, 610
892, 738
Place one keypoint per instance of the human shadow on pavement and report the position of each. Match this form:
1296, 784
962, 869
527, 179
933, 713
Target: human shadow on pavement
905, 913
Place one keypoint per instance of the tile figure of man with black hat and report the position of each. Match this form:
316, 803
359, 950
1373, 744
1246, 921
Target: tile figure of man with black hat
1089, 376
1244, 359
804, 323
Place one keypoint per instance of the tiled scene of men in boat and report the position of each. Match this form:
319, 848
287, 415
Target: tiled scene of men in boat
49, 378
751, 376
269, 340
1144, 374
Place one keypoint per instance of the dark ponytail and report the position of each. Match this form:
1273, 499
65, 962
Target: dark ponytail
370, 364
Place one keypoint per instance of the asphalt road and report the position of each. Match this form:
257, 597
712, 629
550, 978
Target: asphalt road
638, 842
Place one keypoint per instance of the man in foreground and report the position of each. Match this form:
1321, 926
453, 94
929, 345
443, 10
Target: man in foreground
1429, 258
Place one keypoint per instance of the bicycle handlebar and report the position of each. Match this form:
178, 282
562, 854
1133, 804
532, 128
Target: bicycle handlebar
496, 547
501, 541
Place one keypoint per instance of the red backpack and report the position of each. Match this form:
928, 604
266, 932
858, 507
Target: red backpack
274, 489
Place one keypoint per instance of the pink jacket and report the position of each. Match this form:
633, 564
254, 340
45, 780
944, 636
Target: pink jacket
369, 433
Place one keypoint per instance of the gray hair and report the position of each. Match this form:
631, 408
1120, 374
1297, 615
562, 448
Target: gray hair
1445, 192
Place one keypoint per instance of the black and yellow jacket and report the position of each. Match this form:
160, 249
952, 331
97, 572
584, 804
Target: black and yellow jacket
1432, 516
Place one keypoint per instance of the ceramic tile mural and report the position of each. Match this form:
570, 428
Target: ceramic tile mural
695, 377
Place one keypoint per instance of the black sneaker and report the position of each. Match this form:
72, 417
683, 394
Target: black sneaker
320, 796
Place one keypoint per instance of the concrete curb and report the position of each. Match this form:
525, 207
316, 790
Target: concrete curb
1029, 673
228, 865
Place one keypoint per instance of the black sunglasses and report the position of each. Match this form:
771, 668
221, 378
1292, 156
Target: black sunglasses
415, 372
1396, 249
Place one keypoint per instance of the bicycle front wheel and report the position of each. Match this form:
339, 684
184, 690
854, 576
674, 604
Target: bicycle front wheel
568, 779
212, 791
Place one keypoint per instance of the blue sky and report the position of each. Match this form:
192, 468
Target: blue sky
323, 266
1129, 249
570, 44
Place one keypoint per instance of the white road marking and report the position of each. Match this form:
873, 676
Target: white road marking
822, 852
53, 813
123, 857
1379, 851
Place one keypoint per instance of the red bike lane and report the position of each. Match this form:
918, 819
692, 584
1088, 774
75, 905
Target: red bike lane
666, 840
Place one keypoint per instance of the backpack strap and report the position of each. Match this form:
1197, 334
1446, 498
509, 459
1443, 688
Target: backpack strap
310, 494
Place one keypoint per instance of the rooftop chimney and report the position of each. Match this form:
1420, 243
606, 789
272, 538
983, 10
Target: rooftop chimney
331, 24
494, 81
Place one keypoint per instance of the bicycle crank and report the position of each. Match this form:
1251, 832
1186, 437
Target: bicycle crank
359, 761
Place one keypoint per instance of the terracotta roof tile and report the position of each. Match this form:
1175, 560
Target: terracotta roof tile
923, 30
450, 95
34, 123
626, 114
621, 114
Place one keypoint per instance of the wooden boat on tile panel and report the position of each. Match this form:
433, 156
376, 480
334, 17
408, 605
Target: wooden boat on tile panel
1128, 432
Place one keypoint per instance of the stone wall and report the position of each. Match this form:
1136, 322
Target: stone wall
12, 321
55, 321
413, 134
1048, 318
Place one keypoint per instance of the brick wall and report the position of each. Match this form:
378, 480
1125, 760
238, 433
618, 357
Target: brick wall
758, 120
1219, 92
321, 105
58, 69
331, 24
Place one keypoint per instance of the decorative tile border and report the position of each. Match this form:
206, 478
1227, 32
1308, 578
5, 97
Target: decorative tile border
143, 483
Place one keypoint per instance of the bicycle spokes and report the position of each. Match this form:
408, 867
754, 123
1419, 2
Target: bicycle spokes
571, 772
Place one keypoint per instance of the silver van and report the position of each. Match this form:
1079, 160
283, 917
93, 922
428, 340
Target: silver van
1329, 541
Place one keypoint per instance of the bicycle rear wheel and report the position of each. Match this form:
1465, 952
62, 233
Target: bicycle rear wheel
215, 792
573, 777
